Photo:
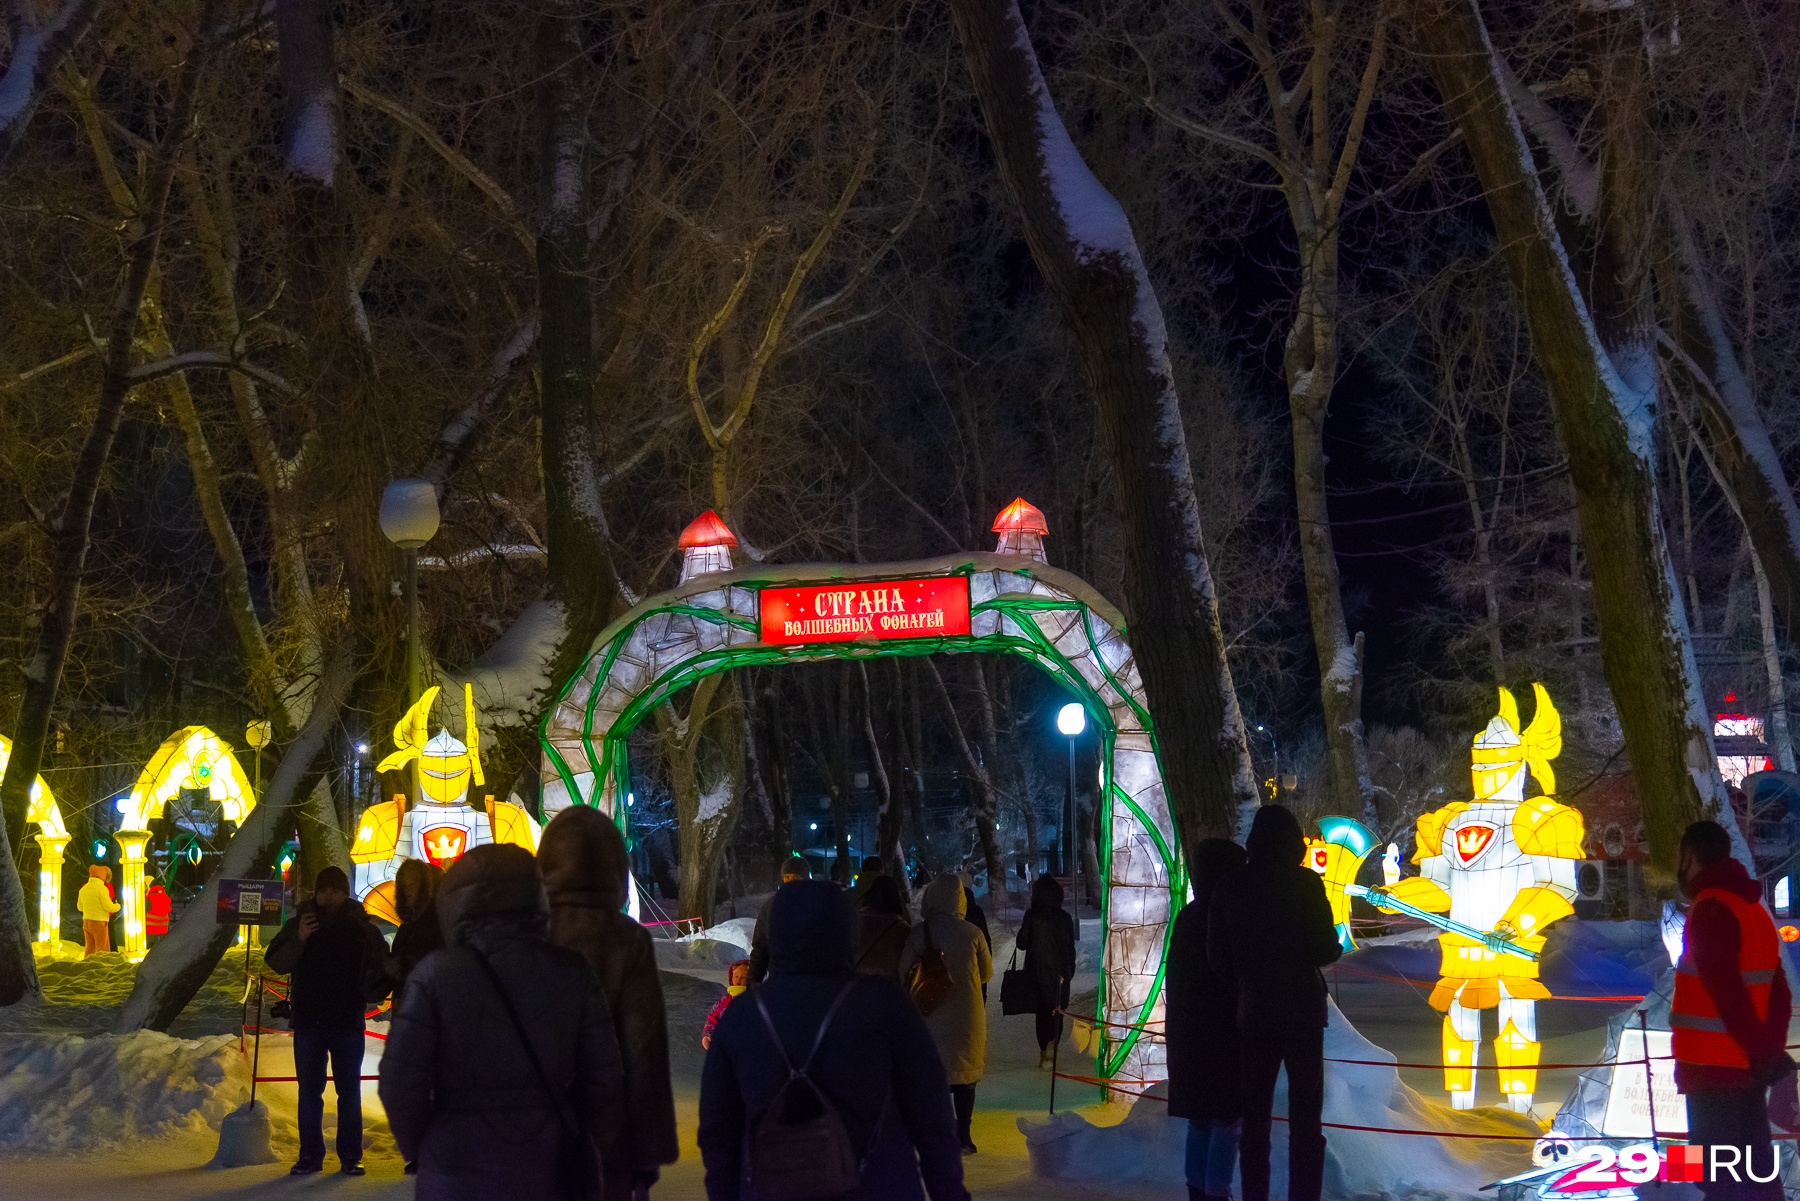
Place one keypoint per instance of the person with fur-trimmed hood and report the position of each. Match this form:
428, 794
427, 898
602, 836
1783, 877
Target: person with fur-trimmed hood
486, 1116
586, 873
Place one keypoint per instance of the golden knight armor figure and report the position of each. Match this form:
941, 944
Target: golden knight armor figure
1503, 865
443, 825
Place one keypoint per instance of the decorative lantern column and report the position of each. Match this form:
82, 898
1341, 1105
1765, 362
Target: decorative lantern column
50, 864
131, 891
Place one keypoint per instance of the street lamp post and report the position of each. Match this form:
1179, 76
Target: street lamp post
1071, 720
409, 518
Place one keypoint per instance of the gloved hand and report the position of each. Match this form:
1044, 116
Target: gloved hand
1784, 1100
1766, 1072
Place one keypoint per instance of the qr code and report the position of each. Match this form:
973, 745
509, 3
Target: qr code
250, 902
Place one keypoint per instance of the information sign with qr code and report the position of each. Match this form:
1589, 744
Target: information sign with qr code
249, 903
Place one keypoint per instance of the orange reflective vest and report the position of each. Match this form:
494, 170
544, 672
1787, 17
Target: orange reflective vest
1700, 1035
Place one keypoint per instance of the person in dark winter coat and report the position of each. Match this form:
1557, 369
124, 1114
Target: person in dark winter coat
1269, 931
462, 1095
959, 1025
796, 868
334, 959
415, 900
1047, 936
882, 929
1200, 1018
586, 874
876, 1062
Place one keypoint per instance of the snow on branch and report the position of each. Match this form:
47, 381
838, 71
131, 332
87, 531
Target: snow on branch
38, 50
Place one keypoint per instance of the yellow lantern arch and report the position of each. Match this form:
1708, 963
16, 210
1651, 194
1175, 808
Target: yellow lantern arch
52, 839
193, 757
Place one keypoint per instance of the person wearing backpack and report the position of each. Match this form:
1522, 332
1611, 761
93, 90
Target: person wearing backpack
866, 1118
502, 1077
958, 1018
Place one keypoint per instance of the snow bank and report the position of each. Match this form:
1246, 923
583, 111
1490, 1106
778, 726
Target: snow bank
1143, 1155
66, 1093
738, 930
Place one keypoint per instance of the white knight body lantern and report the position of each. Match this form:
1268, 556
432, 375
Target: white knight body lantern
1504, 866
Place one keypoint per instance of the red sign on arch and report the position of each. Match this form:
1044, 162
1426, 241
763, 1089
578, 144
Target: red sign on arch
935, 607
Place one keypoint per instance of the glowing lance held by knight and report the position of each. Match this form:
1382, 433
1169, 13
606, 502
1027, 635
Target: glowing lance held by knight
1387, 900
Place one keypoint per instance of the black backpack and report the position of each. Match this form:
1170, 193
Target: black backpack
798, 1149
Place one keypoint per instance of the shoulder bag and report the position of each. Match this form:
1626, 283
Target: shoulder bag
578, 1167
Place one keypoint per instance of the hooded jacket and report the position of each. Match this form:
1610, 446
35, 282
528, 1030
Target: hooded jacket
1047, 936
586, 873
1710, 945
461, 1094
1269, 929
1200, 1014
876, 1062
415, 887
959, 1025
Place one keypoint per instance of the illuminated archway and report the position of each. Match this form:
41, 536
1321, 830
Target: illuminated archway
192, 757
52, 839
1015, 604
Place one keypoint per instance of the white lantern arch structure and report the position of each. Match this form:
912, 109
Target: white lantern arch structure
1015, 605
53, 840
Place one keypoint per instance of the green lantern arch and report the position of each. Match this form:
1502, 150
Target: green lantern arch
1017, 605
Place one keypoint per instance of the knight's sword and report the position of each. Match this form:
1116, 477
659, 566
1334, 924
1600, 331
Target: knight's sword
1387, 900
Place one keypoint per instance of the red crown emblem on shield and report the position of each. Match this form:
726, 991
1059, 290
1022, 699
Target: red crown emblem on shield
1472, 840
444, 845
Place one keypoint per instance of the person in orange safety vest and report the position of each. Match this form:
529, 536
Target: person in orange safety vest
157, 906
1729, 1017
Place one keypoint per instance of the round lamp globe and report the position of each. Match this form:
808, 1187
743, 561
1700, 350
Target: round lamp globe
1071, 719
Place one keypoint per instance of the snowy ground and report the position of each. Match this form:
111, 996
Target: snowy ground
85, 1114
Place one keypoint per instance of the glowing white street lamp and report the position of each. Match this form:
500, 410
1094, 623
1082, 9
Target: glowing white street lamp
1071, 720
409, 518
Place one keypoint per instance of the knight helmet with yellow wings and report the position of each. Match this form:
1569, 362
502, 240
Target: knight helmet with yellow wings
1503, 864
443, 825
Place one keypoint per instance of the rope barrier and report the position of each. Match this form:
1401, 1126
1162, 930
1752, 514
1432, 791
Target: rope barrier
1510, 1138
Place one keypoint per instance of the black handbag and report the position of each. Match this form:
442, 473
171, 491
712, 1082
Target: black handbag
1018, 989
578, 1166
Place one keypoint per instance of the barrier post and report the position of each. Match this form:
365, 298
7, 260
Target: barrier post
256, 1053
1649, 1078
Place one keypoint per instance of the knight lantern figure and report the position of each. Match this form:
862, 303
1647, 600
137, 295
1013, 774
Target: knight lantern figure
443, 825
1503, 865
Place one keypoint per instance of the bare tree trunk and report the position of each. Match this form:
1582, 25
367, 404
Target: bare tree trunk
1082, 243
1599, 367
1777, 725
888, 819
43, 672
706, 774
581, 576
986, 800
1743, 452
